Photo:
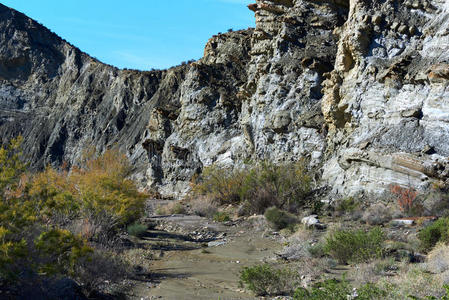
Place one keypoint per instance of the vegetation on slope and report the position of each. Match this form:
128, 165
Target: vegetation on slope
51, 223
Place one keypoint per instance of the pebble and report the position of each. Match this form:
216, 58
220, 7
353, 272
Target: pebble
216, 243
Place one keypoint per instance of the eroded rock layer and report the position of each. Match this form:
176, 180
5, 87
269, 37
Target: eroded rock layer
357, 87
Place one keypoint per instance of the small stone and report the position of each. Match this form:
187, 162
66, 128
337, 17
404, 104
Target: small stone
403, 29
395, 25
412, 113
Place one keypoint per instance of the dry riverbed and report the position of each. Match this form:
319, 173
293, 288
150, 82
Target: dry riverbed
196, 258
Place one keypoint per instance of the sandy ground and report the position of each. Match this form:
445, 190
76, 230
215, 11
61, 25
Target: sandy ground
187, 269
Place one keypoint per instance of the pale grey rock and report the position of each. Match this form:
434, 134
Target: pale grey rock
216, 243
402, 222
312, 221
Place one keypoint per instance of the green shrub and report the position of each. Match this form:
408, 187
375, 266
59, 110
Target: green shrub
436, 232
317, 207
371, 291
347, 205
338, 290
317, 250
279, 219
137, 229
221, 217
266, 280
329, 289
259, 186
355, 245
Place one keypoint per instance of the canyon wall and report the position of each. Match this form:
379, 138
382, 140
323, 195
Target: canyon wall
358, 88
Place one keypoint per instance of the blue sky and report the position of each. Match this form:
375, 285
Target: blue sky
139, 34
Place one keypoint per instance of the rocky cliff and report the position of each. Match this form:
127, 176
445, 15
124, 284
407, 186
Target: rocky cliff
357, 87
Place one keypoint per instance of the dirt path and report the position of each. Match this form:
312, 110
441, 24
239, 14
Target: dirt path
200, 259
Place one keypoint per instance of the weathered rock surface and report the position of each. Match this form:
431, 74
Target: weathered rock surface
358, 87
386, 100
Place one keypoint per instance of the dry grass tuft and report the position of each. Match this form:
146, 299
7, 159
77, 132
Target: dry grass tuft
203, 206
438, 259
172, 208
377, 214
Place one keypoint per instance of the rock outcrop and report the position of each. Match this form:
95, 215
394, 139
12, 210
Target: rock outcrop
358, 87
386, 101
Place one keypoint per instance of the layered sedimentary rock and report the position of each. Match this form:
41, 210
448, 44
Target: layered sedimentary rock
386, 101
357, 87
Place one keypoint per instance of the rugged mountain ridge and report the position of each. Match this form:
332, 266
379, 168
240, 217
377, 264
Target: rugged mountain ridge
357, 87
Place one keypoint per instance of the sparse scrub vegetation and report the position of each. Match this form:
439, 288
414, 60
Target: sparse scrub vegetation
317, 250
412, 282
61, 223
355, 245
267, 280
377, 214
102, 265
222, 217
172, 208
374, 270
438, 259
203, 206
257, 187
279, 219
137, 229
339, 290
435, 232
412, 285
346, 205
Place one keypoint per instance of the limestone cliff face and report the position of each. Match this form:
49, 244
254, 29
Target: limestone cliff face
386, 101
358, 87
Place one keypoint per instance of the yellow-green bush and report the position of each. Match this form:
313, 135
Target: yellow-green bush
97, 188
11, 167
37, 211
